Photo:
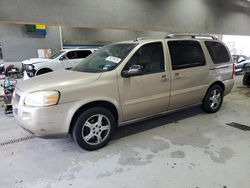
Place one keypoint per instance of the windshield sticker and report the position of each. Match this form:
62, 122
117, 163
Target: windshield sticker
113, 59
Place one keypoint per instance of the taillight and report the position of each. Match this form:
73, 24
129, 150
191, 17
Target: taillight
234, 68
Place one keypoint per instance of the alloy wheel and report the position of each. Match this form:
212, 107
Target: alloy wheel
96, 129
215, 99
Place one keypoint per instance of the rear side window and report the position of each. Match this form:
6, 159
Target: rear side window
218, 52
186, 54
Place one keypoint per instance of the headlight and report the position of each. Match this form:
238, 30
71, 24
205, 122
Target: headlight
42, 98
29, 67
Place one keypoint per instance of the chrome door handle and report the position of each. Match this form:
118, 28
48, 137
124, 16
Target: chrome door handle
177, 76
164, 78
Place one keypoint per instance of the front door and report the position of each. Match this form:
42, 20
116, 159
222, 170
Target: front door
71, 59
149, 93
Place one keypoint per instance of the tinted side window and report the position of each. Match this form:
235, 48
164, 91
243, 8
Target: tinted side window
150, 57
72, 55
186, 54
83, 53
218, 52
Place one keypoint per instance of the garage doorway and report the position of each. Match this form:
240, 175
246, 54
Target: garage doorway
238, 45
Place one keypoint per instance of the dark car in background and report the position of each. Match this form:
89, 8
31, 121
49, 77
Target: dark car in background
240, 62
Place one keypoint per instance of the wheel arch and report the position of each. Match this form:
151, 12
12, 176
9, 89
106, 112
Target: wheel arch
100, 103
44, 69
219, 83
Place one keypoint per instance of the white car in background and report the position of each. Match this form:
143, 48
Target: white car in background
63, 59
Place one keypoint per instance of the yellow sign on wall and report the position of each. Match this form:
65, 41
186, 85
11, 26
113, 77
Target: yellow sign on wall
40, 26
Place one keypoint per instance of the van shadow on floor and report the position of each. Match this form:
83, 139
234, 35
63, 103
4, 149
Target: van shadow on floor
145, 125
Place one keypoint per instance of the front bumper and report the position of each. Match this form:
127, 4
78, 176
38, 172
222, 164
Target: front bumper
44, 122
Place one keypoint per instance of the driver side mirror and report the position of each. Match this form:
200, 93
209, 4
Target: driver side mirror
134, 70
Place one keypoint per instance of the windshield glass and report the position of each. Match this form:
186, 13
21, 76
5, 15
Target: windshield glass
105, 59
54, 56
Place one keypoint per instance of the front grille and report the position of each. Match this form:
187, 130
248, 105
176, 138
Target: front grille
31, 73
30, 70
28, 66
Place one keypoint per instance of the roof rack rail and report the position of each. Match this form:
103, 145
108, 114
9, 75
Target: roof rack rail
141, 38
174, 35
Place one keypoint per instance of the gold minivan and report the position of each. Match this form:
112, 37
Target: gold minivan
122, 83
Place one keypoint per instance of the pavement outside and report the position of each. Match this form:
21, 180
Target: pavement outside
187, 149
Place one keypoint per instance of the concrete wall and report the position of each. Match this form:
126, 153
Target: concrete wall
204, 16
17, 45
102, 36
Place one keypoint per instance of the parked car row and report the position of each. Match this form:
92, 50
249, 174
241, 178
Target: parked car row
122, 83
240, 62
63, 59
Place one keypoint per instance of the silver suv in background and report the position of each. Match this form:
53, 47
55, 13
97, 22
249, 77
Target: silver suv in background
240, 62
123, 83
63, 59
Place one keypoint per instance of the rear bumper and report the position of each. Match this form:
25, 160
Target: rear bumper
229, 84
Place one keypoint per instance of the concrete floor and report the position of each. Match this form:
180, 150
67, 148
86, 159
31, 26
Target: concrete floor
187, 149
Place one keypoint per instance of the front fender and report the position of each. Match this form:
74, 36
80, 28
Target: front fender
79, 104
53, 65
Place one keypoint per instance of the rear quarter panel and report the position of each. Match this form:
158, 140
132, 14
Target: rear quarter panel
220, 72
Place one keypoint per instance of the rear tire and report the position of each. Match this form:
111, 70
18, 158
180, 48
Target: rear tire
246, 80
213, 99
94, 128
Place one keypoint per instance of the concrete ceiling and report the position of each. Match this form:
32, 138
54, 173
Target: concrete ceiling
203, 16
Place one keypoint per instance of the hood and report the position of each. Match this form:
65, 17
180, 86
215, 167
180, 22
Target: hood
58, 80
35, 60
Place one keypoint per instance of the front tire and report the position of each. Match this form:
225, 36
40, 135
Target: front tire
94, 128
213, 99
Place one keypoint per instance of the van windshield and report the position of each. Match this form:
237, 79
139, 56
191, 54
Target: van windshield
105, 59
